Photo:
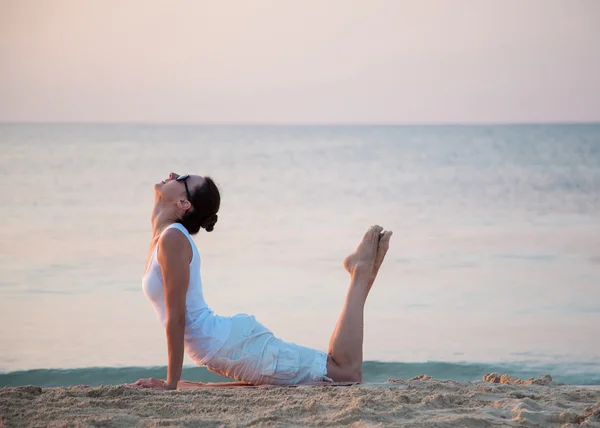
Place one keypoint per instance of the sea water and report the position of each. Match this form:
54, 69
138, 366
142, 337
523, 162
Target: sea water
494, 264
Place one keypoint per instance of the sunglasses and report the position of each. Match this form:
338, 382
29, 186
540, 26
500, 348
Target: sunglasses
187, 191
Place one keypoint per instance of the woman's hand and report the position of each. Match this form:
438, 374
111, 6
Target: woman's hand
154, 384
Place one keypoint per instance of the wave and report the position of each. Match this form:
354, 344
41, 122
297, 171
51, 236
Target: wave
581, 373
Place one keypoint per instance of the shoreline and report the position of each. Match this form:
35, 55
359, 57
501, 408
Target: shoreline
421, 401
569, 373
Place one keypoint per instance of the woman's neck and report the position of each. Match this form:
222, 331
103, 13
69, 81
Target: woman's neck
160, 220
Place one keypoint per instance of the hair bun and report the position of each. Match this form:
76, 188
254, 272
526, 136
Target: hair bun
209, 222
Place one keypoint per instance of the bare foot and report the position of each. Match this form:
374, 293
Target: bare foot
384, 245
362, 260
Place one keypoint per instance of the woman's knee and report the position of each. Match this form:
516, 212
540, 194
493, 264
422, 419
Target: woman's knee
343, 373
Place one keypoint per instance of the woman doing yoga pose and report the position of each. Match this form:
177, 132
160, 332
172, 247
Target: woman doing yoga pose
240, 347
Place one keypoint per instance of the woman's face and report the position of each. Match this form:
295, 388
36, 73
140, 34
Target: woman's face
174, 190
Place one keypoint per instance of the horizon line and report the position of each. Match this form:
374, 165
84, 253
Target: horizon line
314, 124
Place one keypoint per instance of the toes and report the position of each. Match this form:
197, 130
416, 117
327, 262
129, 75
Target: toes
377, 235
384, 241
373, 233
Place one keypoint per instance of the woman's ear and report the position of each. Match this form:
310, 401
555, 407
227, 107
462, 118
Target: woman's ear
184, 204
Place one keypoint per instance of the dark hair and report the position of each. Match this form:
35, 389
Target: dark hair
206, 200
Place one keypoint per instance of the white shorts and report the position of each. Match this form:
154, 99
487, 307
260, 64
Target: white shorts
253, 354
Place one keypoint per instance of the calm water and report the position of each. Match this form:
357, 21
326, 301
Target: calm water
495, 257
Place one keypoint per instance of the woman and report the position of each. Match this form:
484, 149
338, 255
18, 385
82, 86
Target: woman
239, 347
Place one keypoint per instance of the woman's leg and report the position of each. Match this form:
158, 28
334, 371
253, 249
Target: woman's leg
345, 347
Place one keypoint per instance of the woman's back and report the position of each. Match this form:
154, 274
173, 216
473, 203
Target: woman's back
205, 332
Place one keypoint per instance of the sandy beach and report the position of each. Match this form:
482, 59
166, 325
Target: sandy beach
421, 402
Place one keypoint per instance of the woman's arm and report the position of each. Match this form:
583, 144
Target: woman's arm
174, 257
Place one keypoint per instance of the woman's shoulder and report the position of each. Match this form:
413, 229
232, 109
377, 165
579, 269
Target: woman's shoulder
176, 226
173, 238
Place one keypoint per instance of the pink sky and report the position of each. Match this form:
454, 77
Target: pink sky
309, 61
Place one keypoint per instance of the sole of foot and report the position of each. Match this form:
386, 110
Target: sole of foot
382, 249
362, 260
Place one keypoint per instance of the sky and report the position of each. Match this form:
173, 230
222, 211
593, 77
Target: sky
300, 62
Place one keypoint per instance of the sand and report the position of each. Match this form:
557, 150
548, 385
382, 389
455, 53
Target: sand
419, 402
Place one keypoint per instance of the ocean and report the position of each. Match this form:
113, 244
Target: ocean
494, 264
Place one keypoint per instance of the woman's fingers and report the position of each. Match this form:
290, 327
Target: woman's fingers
146, 383
149, 383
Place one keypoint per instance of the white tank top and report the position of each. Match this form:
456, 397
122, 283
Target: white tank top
205, 332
